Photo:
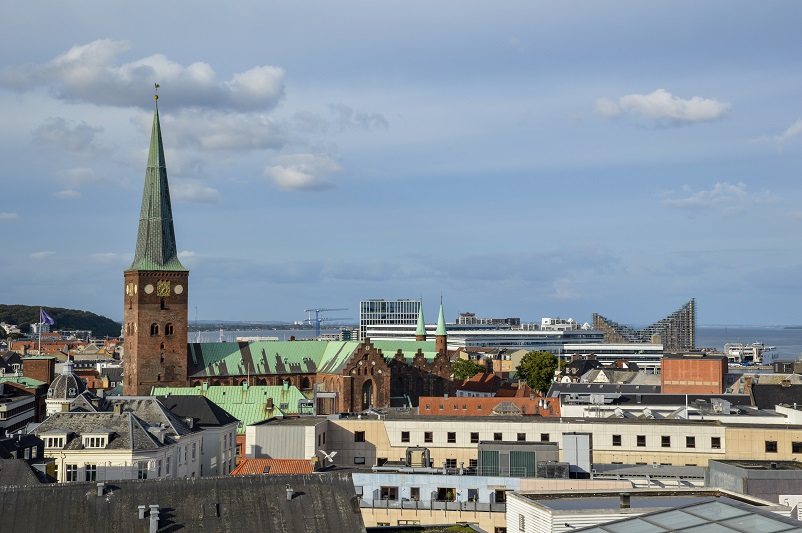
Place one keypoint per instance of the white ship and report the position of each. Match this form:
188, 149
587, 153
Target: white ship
746, 354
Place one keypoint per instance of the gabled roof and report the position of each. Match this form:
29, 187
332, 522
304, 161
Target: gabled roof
246, 404
152, 412
200, 409
769, 396
17, 472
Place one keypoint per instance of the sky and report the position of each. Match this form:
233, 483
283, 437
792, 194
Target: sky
520, 159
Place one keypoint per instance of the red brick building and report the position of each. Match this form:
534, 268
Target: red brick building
693, 374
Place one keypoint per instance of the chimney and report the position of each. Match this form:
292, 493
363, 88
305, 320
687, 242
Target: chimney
624, 499
65, 408
289, 493
141, 511
118, 408
154, 519
100, 487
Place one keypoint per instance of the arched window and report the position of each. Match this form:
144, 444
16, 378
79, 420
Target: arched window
367, 395
154, 330
168, 329
305, 383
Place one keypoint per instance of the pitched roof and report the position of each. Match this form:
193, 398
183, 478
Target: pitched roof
272, 467
203, 412
17, 472
769, 396
320, 502
127, 431
155, 242
248, 405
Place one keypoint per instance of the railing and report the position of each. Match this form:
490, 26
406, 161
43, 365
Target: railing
435, 505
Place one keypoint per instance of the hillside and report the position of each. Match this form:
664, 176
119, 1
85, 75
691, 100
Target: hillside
25, 315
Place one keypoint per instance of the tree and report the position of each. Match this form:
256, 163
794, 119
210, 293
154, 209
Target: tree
466, 369
537, 369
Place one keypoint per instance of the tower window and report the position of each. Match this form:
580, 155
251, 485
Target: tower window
154, 330
168, 329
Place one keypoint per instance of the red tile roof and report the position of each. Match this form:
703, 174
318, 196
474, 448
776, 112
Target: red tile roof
277, 466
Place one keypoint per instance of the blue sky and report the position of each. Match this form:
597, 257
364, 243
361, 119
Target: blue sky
521, 158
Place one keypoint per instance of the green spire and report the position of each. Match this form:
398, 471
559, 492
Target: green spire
441, 321
155, 243
421, 331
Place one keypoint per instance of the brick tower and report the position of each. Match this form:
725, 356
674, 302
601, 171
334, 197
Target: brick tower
156, 289
440, 335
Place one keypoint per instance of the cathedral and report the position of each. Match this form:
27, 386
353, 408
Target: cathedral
347, 376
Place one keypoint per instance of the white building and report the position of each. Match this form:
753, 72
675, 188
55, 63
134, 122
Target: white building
386, 312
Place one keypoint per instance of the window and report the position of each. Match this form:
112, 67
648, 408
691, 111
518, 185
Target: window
475, 437
500, 496
194, 449
359, 460
464, 407
665, 441
473, 495
496, 436
72, 472
359, 436
473, 463
448, 494
796, 447
167, 466
142, 470
715, 443
544, 437
389, 493
154, 330
168, 329
94, 442
521, 523
771, 446
616, 440
159, 468
90, 473
441, 406
428, 407
405, 436
690, 441
427, 436
521, 436
451, 463
641, 440
455, 407
414, 494
452, 437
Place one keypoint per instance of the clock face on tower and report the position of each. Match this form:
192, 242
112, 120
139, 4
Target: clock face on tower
163, 288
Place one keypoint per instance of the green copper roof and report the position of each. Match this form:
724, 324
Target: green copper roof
247, 404
441, 321
155, 243
22, 380
421, 330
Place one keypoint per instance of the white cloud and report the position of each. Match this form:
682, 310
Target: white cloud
67, 194
793, 131
77, 139
93, 73
564, 290
303, 172
724, 197
663, 108
220, 131
42, 255
194, 191
9, 216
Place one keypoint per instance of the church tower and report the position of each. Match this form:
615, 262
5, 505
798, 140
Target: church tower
420, 331
155, 316
440, 335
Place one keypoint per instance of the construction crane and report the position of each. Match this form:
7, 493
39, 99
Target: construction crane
318, 319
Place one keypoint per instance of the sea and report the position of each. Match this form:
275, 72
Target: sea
785, 342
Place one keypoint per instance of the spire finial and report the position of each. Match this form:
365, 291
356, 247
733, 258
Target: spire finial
156, 86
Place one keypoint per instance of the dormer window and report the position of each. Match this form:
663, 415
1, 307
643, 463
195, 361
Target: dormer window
54, 442
50, 393
95, 442
73, 392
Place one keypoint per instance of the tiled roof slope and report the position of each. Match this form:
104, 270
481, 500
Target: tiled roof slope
17, 472
152, 412
210, 359
245, 504
247, 404
275, 466
127, 431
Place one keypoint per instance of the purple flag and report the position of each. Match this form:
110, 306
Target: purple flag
44, 318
